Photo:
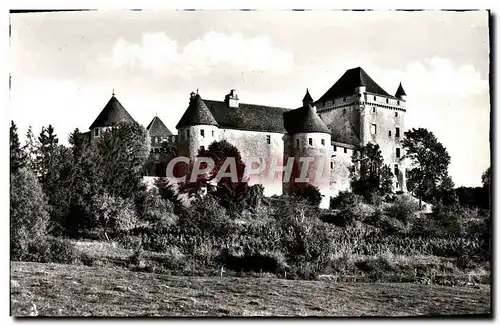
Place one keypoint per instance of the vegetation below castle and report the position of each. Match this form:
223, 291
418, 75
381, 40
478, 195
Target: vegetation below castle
62, 196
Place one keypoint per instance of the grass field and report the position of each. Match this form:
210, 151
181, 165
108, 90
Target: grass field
68, 290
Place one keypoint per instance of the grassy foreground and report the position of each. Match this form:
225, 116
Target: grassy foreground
68, 290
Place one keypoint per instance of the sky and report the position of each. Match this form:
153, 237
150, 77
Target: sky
64, 66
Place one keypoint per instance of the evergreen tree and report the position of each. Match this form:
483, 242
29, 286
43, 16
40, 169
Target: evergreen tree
30, 149
17, 157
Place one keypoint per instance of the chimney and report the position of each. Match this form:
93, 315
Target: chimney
232, 99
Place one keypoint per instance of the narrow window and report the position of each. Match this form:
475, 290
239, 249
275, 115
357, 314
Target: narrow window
331, 165
396, 114
374, 110
398, 102
268, 138
396, 170
202, 148
323, 142
310, 141
96, 132
374, 129
345, 149
187, 133
297, 143
334, 148
390, 133
374, 98
386, 100
397, 131
213, 133
398, 152
202, 133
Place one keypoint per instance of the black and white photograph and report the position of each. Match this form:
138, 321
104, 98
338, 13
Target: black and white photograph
250, 163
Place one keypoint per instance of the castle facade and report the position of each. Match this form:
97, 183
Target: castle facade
353, 112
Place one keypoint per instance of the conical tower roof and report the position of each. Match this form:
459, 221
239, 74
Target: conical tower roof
400, 92
157, 128
113, 113
197, 113
307, 98
304, 120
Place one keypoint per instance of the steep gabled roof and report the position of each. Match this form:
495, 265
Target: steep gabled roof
250, 117
304, 120
400, 92
351, 79
157, 128
197, 113
113, 113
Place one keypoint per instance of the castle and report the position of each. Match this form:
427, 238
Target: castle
352, 113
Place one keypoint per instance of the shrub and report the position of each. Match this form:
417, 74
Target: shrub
153, 209
403, 208
110, 216
345, 199
306, 192
48, 250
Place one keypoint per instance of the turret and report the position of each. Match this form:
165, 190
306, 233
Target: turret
400, 93
307, 100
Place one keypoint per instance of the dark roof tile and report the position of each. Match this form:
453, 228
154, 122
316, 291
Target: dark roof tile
157, 128
113, 113
197, 113
350, 80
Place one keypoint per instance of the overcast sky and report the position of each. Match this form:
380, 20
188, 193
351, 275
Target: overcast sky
65, 65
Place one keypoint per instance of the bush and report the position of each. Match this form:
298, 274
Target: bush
404, 208
308, 193
154, 210
110, 216
345, 199
48, 250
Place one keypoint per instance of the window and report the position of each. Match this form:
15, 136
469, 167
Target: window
310, 141
96, 132
386, 100
398, 102
323, 142
345, 149
398, 152
396, 170
297, 143
268, 139
331, 165
213, 133
334, 148
202, 133
396, 114
374, 129
374, 98
187, 133
390, 133
374, 110
202, 148
397, 131
343, 111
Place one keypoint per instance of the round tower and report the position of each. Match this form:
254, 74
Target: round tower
197, 128
310, 146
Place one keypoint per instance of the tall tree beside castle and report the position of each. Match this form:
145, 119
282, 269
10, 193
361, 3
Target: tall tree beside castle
429, 162
369, 173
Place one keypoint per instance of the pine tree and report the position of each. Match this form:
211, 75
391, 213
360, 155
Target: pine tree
17, 157
30, 149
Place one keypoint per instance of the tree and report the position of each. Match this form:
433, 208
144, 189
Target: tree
429, 162
486, 180
120, 155
445, 193
17, 157
30, 149
45, 160
368, 172
307, 192
29, 215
